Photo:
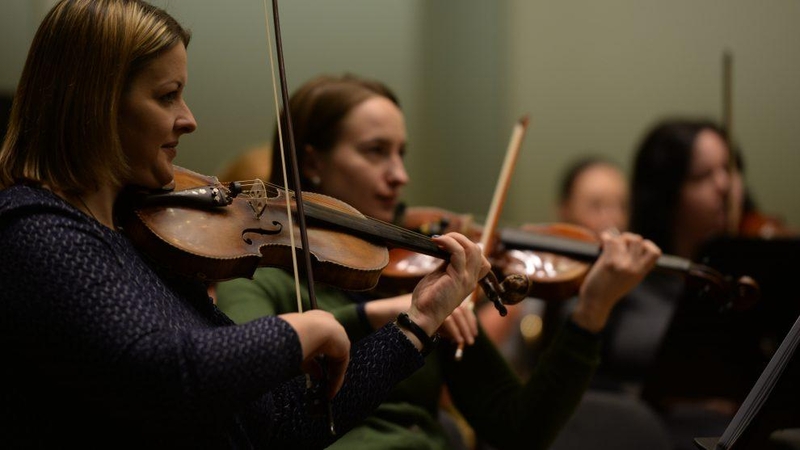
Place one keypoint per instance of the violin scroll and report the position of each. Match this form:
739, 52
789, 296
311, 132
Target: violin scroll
512, 290
739, 295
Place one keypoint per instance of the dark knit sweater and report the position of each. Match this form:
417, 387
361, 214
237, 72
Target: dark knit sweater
99, 350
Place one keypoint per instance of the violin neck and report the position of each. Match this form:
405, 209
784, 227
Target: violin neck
578, 250
376, 231
522, 240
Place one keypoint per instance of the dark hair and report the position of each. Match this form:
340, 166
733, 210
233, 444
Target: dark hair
575, 169
660, 168
317, 109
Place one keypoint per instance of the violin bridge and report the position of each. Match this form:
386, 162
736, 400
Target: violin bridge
257, 197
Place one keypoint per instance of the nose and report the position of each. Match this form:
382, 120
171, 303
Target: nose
396, 173
723, 181
185, 122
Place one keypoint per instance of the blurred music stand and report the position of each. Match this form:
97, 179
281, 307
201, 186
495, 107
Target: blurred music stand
707, 353
772, 404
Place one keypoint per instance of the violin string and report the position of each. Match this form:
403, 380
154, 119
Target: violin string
338, 214
342, 213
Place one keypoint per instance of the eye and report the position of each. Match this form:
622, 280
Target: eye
375, 150
378, 149
169, 97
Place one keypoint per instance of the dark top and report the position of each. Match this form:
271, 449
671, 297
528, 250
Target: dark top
100, 350
504, 411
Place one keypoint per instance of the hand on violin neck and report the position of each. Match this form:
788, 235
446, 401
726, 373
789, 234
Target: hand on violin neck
321, 334
442, 291
623, 263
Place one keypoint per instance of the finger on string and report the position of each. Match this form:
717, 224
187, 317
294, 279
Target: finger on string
472, 251
452, 245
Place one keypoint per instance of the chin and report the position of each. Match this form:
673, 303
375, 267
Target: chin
165, 175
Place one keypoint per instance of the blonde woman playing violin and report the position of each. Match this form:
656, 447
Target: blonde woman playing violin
102, 349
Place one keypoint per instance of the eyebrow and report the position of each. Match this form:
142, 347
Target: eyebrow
167, 83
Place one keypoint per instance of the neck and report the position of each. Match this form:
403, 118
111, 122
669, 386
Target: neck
97, 204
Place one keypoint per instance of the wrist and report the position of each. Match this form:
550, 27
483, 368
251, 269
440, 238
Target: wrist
417, 335
423, 321
590, 318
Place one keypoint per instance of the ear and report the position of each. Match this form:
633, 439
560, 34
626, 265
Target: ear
312, 165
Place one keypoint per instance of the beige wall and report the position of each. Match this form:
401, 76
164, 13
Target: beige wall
592, 76
595, 75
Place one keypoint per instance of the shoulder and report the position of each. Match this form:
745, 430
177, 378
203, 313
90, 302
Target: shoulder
28, 212
22, 199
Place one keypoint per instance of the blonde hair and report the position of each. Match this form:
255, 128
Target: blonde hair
63, 129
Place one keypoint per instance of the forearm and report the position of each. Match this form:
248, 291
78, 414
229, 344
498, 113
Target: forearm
380, 312
508, 414
377, 364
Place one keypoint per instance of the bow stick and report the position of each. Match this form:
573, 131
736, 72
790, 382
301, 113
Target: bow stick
318, 391
498, 199
734, 203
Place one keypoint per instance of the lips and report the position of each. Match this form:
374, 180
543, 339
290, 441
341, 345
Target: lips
389, 200
171, 149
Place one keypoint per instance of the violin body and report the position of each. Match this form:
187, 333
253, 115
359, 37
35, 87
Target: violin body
221, 243
553, 276
758, 225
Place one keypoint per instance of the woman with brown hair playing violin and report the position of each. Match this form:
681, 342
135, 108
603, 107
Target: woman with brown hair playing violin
102, 349
351, 139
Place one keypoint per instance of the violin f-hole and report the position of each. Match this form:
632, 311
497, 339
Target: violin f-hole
277, 230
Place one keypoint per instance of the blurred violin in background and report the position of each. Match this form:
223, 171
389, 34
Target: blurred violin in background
554, 257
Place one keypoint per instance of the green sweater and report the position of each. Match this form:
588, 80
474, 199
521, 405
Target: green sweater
502, 411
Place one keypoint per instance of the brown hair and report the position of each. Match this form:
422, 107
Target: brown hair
63, 126
317, 109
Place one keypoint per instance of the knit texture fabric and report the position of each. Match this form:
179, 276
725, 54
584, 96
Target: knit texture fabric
100, 350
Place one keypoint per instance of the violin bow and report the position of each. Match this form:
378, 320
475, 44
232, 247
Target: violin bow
318, 392
498, 200
734, 205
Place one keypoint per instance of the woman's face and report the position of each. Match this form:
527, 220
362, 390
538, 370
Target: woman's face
703, 203
599, 199
153, 116
365, 167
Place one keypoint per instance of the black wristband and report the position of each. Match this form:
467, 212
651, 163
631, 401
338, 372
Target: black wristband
428, 342
362, 317
580, 330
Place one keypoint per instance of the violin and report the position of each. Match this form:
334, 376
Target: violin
554, 257
739, 294
758, 225
203, 229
